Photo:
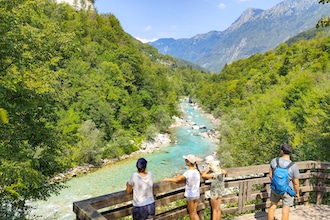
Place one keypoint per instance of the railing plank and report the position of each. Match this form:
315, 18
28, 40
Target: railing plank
251, 190
84, 211
111, 200
168, 199
173, 214
118, 213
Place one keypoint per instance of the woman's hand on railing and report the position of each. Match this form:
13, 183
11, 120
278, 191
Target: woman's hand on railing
175, 179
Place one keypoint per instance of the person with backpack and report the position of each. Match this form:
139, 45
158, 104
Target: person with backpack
284, 176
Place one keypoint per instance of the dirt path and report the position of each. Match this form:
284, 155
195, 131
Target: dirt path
301, 212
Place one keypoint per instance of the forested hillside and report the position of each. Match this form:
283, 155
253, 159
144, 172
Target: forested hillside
282, 96
74, 88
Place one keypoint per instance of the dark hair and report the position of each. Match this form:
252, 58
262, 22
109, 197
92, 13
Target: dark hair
286, 148
141, 164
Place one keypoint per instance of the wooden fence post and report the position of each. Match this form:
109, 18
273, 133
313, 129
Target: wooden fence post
242, 196
201, 214
320, 183
307, 183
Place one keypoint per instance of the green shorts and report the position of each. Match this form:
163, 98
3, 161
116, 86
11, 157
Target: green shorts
217, 188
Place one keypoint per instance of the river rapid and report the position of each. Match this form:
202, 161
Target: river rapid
164, 162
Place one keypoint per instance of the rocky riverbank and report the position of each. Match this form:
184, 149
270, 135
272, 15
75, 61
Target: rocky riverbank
211, 134
150, 146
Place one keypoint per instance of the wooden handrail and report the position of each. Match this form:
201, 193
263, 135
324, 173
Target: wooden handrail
250, 190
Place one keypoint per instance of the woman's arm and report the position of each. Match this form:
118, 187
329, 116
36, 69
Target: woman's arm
129, 188
175, 179
206, 174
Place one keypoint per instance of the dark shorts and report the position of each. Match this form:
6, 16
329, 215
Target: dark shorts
144, 212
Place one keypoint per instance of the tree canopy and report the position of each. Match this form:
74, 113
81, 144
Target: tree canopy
281, 96
74, 88
325, 21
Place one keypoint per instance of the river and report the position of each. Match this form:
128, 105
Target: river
165, 162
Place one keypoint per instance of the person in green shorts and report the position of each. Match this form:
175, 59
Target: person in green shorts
214, 172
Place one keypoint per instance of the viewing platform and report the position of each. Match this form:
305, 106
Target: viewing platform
301, 212
248, 197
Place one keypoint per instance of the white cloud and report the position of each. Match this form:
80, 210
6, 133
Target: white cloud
146, 40
222, 6
174, 27
148, 28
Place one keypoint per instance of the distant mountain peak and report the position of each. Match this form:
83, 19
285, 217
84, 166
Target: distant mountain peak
246, 16
255, 31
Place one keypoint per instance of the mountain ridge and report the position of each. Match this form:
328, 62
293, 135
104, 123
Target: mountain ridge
255, 31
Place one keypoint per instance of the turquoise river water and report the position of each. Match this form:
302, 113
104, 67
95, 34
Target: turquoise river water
165, 162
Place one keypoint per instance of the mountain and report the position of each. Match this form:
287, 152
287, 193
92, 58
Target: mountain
255, 31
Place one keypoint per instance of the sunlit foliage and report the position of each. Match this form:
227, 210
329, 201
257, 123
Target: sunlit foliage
265, 100
74, 89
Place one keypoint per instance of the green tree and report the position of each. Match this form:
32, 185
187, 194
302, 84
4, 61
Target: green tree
325, 21
4, 116
269, 99
74, 87
90, 144
29, 145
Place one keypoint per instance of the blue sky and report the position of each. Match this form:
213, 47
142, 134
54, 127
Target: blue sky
149, 20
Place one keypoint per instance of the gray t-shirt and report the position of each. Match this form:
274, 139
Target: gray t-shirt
142, 189
293, 170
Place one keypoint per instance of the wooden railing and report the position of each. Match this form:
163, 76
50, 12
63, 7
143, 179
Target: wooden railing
250, 190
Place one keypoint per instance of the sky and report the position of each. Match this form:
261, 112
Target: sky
149, 20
